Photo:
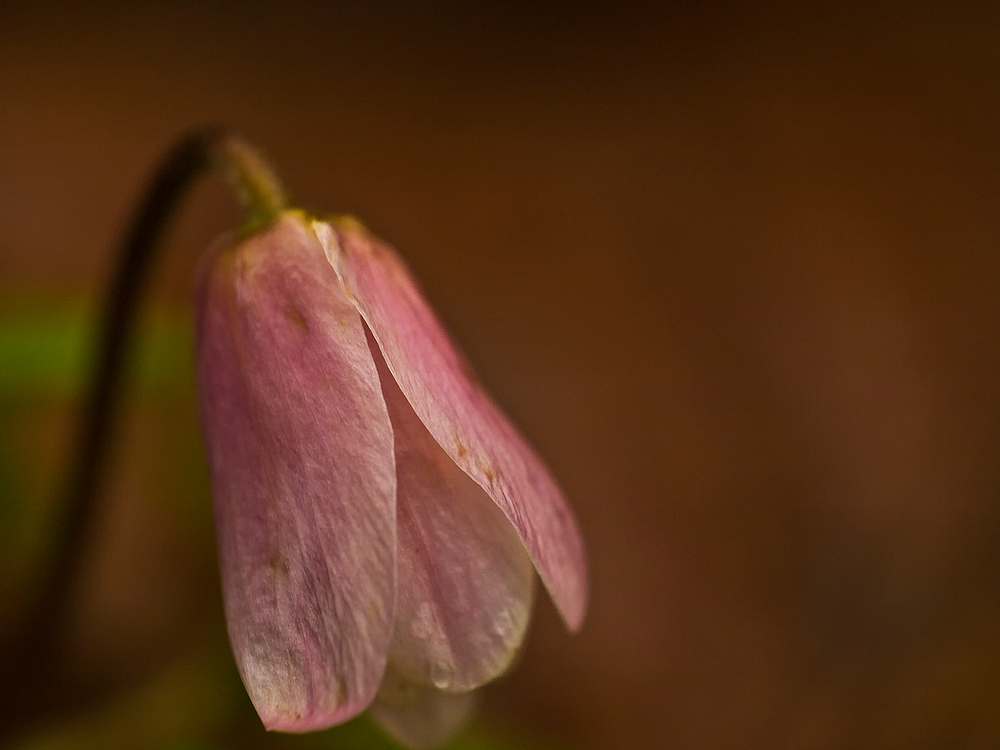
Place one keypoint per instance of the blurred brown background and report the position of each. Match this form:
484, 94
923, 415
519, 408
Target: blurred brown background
733, 271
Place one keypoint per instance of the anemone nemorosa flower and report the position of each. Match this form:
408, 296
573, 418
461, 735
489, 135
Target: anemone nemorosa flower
379, 520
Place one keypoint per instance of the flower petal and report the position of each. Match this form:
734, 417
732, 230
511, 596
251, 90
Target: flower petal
303, 477
465, 581
458, 413
417, 716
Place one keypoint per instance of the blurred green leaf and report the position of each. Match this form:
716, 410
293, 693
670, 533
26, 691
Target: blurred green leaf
47, 351
41, 351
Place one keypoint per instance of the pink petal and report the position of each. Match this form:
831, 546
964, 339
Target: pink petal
417, 716
465, 581
300, 451
458, 413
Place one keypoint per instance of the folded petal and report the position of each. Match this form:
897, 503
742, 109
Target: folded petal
465, 581
303, 478
456, 410
417, 716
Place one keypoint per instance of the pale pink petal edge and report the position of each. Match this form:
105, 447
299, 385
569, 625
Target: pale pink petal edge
457, 411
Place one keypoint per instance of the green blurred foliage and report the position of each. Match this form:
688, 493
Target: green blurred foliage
46, 362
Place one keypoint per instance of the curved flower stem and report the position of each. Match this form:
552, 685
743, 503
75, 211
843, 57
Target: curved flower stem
262, 197
257, 187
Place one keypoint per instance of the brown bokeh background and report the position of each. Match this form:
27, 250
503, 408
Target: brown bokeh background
734, 272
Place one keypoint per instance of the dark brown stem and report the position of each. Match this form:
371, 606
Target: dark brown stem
27, 666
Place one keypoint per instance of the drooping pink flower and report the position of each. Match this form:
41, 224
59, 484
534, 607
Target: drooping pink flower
379, 519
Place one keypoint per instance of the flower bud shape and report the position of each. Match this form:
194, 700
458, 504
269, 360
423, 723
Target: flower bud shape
379, 520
